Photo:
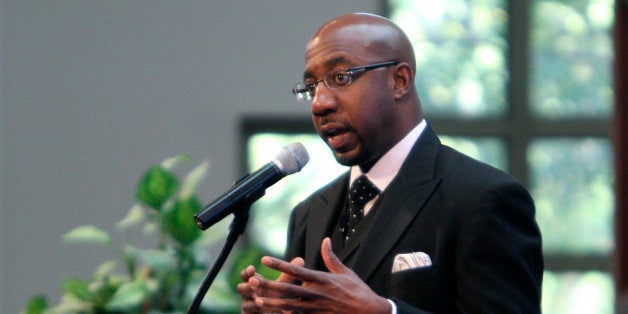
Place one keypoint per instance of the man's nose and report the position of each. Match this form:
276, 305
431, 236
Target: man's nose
324, 100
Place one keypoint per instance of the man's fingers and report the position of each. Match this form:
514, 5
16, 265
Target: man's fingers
287, 305
245, 290
334, 265
298, 261
295, 271
247, 273
283, 277
282, 288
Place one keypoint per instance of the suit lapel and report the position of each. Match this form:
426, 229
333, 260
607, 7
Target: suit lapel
401, 202
322, 219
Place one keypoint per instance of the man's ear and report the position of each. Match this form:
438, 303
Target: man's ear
404, 79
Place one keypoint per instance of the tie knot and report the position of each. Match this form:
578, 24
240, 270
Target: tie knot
362, 191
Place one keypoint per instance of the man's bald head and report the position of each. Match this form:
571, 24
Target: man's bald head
375, 34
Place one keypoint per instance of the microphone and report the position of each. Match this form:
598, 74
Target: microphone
290, 159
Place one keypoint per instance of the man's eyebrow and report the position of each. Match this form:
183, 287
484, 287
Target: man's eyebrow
329, 64
307, 75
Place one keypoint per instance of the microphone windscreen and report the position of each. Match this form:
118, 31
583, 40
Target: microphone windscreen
292, 158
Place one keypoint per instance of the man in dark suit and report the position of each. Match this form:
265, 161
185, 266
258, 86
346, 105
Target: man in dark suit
443, 233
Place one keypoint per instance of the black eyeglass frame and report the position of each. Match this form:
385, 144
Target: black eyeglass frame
301, 89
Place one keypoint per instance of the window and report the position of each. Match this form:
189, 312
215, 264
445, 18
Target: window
523, 85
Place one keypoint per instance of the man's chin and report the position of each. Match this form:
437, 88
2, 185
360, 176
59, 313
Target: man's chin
347, 158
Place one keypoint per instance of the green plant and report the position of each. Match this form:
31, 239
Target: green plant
163, 279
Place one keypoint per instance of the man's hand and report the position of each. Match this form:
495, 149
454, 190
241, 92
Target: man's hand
338, 291
249, 294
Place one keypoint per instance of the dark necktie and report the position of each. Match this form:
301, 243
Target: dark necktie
361, 192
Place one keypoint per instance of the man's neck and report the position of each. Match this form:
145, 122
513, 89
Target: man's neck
386, 168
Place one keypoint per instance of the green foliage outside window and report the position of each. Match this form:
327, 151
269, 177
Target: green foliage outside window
573, 194
460, 49
571, 58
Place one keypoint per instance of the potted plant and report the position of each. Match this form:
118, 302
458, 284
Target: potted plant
159, 279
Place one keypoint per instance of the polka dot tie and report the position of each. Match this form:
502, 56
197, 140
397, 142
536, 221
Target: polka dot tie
361, 192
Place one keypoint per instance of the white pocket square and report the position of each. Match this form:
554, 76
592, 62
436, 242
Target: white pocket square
412, 260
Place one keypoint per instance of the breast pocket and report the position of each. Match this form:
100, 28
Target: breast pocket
412, 276
413, 284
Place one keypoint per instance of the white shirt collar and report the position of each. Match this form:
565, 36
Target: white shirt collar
387, 167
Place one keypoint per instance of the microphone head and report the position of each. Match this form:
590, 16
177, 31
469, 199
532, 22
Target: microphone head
292, 158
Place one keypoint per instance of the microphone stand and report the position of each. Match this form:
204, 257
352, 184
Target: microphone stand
237, 227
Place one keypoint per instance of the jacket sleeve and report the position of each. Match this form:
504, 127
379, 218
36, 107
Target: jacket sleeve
499, 261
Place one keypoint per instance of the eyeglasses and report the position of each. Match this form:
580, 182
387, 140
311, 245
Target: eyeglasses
334, 79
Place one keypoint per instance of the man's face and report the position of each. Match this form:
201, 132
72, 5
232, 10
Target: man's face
352, 120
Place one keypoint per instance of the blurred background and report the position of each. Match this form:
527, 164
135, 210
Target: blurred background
92, 93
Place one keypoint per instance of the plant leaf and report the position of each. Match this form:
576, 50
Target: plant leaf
104, 288
77, 288
193, 179
36, 305
171, 162
178, 221
156, 186
151, 228
70, 304
105, 269
133, 217
159, 260
128, 297
88, 234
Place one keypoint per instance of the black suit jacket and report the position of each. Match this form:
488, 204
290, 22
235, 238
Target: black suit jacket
475, 222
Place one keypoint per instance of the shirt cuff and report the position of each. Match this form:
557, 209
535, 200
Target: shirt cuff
393, 305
